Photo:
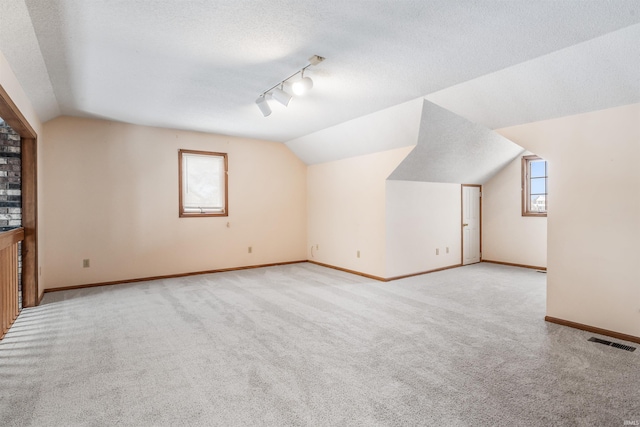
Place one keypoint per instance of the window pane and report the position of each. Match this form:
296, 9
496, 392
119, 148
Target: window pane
538, 168
538, 186
534, 191
203, 182
538, 204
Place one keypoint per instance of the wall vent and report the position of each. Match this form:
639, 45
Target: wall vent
612, 344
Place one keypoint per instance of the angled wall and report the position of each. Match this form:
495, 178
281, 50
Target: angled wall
346, 211
507, 236
423, 224
383, 130
598, 73
593, 221
454, 150
396, 207
420, 218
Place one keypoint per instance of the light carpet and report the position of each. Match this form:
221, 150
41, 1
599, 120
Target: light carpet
309, 346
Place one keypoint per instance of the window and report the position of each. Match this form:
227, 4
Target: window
534, 186
203, 183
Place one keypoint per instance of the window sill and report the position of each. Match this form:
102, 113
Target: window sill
198, 215
535, 214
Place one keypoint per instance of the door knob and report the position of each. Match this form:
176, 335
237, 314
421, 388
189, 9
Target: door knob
464, 225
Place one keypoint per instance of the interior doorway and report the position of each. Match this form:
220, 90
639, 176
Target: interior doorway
29, 191
471, 223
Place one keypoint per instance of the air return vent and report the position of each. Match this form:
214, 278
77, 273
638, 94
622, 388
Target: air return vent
612, 344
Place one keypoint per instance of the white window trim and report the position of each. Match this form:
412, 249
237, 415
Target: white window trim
526, 192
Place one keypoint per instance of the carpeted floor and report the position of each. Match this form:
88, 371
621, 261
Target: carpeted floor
304, 345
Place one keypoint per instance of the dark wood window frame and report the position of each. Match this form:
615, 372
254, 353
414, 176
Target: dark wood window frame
181, 209
526, 190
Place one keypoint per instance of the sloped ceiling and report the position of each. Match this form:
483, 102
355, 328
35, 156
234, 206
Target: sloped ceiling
393, 127
200, 64
594, 75
455, 150
19, 44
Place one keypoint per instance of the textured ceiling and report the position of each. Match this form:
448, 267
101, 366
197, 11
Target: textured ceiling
393, 127
600, 73
200, 64
453, 149
19, 45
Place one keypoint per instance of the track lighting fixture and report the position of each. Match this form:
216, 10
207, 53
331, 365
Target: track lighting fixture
263, 105
281, 96
298, 87
302, 86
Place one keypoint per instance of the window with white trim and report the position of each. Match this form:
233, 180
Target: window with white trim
534, 186
203, 183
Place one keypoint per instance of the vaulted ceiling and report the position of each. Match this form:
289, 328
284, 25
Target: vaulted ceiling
452, 149
200, 64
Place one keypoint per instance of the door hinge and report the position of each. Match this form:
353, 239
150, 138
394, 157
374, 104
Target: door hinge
480, 193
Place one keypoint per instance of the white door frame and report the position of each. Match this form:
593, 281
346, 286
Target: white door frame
462, 221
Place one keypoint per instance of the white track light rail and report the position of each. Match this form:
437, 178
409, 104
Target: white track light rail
298, 87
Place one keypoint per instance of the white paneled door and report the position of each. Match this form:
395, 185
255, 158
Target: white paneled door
470, 224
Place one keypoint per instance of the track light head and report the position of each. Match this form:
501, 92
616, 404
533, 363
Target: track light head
281, 96
263, 105
302, 86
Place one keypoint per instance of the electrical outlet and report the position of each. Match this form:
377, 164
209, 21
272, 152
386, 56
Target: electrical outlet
250, 250
437, 251
447, 249
86, 263
358, 254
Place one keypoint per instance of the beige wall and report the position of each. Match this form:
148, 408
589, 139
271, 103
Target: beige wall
593, 220
11, 85
507, 236
422, 217
346, 211
112, 197
396, 225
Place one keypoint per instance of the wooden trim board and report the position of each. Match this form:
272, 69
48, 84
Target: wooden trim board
11, 114
29, 153
515, 265
423, 272
368, 276
593, 329
169, 276
11, 237
221, 270
382, 279
358, 273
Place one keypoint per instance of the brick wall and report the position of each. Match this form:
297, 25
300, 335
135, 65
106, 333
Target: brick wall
10, 188
10, 175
